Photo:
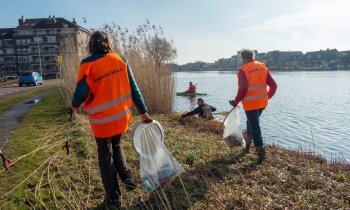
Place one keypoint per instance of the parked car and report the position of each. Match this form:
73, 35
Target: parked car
30, 78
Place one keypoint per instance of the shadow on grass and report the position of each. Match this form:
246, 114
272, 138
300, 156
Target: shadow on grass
196, 181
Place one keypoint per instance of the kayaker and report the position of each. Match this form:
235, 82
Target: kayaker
203, 110
253, 79
192, 88
108, 88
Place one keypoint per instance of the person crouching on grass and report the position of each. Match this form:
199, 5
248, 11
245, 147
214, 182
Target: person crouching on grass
108, 88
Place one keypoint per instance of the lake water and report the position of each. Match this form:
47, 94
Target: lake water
307, 105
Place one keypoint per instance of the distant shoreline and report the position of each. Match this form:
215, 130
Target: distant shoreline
274, 70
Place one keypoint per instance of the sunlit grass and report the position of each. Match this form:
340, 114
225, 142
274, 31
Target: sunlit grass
12, 100
216, 177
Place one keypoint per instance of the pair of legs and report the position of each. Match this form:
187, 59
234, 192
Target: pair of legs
254, 132
111, 162
253, 127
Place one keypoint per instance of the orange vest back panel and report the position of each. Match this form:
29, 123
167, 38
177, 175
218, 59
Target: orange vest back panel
109, 104
256, 96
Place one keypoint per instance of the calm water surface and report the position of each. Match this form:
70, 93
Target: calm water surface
307, 105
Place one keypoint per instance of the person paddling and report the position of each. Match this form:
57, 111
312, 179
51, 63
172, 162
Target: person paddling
253, 79
192, 88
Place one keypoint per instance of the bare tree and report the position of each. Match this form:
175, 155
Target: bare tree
161, 50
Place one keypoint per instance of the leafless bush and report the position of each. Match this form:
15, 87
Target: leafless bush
148, 52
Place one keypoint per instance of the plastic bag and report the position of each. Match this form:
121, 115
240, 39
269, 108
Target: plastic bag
157, 166
232, 132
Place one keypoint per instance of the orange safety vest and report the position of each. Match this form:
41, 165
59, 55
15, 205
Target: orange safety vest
192, 89
256, 96
109, 102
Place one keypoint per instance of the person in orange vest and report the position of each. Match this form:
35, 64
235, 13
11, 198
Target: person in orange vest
108, 88
253, 79
192, 88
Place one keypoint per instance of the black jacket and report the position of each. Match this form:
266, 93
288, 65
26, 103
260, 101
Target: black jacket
199, 110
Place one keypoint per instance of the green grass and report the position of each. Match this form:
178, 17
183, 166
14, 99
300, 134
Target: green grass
10, 82
36, 148
12, 100
216, 177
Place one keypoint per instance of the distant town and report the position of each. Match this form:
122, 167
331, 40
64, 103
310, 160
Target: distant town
33, 45
328, 59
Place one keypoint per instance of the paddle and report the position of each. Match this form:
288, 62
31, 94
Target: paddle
225, 113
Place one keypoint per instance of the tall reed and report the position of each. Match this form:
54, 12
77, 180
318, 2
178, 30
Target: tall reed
149, 54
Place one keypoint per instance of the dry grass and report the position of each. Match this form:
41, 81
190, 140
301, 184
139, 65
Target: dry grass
201, 124
155, 82
216, 177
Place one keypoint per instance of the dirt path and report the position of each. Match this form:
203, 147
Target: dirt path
13, 116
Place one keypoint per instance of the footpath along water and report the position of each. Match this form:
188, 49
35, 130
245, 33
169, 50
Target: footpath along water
307, 105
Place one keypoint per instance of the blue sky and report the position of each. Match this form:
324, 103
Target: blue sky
207, 30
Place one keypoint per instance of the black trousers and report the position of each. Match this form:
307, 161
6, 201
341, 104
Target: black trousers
253, 126
111, 162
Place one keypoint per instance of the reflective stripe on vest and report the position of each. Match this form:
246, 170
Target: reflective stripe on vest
256, 96
247, 98
258, 87
108, 104
111, 118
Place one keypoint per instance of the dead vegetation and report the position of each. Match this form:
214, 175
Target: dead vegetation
44, 177
216, 177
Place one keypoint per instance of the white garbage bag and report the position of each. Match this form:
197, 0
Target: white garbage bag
157, 166
232, 132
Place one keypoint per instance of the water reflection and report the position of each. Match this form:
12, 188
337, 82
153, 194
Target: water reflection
304, 101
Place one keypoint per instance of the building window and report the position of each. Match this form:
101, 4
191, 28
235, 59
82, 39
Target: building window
18, 42
8, 42
23, 32
51, 39
36, 39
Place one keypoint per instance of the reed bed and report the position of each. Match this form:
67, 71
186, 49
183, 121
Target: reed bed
149, 60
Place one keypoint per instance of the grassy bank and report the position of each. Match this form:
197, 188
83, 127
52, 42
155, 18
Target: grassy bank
216, 177
10, 101
8, 83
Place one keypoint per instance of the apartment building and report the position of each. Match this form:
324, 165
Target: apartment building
34, 44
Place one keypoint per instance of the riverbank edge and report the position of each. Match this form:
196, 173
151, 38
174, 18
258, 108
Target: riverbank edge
216, 177
272, 70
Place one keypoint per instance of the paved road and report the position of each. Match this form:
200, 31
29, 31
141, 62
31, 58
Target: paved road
13, 116
11, 90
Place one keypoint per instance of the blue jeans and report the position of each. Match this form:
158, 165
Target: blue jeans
253, 126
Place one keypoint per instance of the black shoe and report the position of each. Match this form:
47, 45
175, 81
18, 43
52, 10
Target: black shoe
113, 203
130, 184
245, 150
248, 143
260, 151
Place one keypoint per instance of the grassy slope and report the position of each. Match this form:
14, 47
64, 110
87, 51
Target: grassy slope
10, 82
8, 102
216, 177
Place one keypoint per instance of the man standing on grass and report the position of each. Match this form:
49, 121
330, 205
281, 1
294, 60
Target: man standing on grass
253, 79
